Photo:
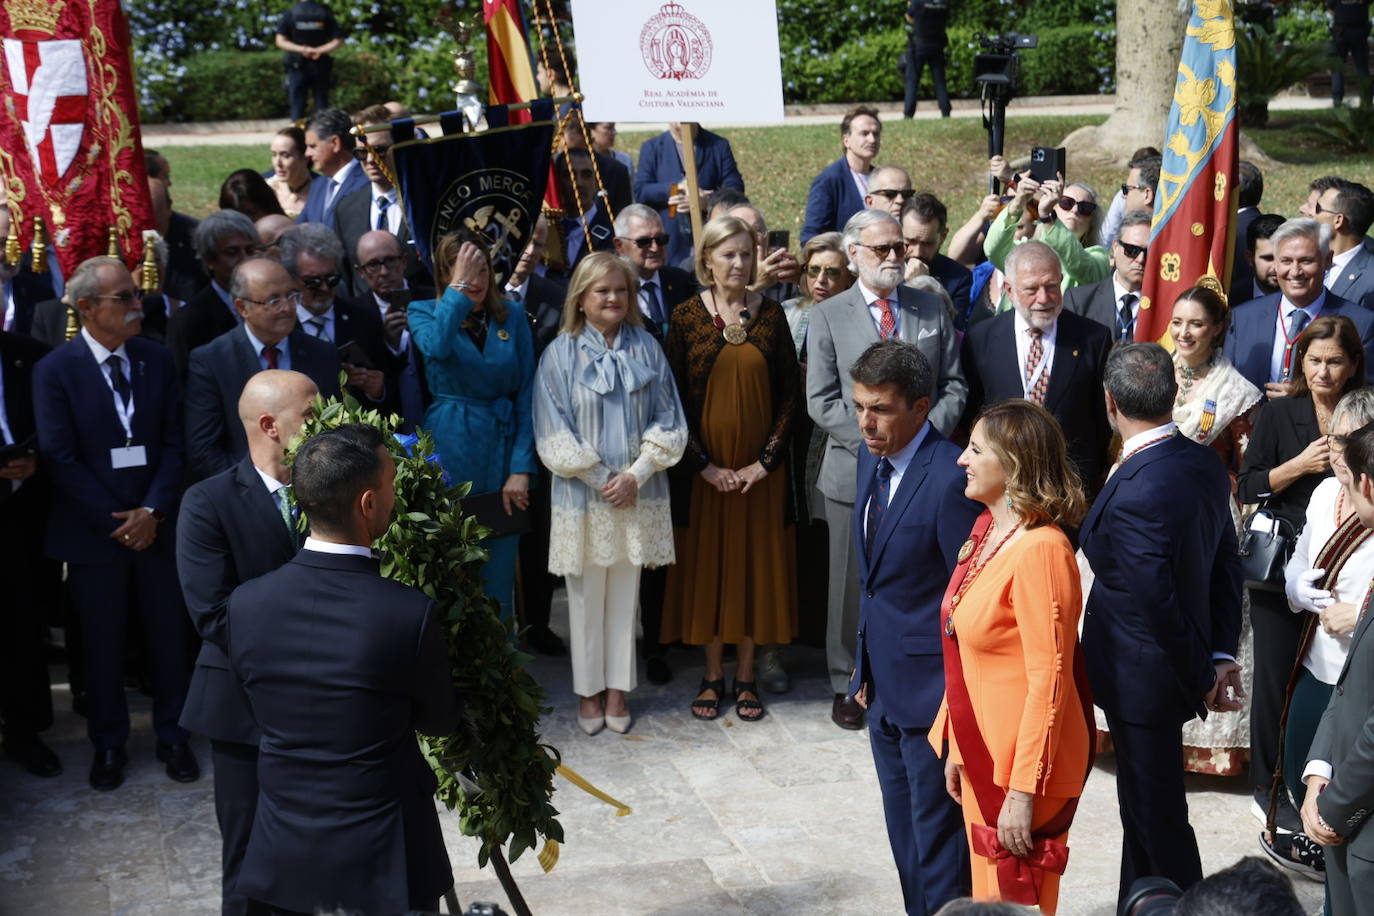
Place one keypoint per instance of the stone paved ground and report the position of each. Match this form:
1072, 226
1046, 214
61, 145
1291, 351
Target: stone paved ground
777, 817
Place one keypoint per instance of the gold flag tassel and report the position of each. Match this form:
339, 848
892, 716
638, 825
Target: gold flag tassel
13, 250
38, 249
548, 856
112, 249
572, 776
148, 280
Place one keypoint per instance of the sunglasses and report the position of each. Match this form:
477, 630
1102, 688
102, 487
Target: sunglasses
124, 299
882, 251
893, 194
1084, 207
645, 242
329, 280
815, 270
1128, 188
1133, 251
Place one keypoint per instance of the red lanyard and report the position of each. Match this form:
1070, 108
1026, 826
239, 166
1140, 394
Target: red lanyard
1289, 342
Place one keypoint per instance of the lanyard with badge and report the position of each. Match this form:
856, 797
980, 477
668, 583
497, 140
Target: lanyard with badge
130, 455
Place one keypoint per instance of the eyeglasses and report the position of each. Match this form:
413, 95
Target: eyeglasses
883, 251
645, 242
1128, 188
893, 193
815, 270
1318, 210
329, 280
390, 262
1133, 251
124, 298
1084, 207
277, 303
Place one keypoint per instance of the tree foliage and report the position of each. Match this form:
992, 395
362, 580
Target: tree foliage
432, 546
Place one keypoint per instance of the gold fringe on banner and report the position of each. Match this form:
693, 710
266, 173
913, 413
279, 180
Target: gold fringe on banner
548, 856
621, 809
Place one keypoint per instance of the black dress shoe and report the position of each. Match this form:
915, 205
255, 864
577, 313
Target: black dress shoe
846, 713
107, 770
33, 755
545, 642
656, 670
181, 763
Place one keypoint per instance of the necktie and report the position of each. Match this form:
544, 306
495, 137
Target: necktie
317, 327
1033, 358
1127, 320
287, 510
382, 204
877, 504
270, 354
651, 298
1296, 322
887, 323
514, 295
118, 380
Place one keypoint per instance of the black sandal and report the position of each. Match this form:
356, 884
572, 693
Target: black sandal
714, 704
742, 704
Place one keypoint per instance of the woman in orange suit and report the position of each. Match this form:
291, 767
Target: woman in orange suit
1017, 715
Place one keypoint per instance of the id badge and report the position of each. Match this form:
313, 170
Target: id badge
131, 456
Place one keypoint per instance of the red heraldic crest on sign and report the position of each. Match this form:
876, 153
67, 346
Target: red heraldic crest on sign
676, 45
69, 143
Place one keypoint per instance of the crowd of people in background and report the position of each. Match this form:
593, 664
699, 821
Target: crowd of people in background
691, 433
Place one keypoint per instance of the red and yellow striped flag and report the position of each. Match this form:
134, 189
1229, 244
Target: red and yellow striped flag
1193, 234
511, 75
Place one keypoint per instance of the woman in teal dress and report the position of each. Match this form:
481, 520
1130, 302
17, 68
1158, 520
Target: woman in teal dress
479, 363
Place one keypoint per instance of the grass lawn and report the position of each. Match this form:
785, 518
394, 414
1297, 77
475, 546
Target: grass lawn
947, 157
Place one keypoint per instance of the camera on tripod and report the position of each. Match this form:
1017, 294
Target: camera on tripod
999, 64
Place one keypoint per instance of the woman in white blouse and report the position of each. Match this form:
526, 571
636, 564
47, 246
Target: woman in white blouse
607, 423
1326, 580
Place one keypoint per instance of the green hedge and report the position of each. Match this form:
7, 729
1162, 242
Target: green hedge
1070, 60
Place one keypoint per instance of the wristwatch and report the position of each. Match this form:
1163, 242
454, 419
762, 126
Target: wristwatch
157, 514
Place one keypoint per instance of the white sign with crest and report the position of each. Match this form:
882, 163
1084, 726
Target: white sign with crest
680, 60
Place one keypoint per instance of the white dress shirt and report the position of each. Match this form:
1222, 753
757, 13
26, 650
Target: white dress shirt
655, 286
900, 462
308, 319
1338, 265
336, 182
1118, 291
860, 181
876, 313
393, 211
1285, 312
1023, 342
349, 550
283, 350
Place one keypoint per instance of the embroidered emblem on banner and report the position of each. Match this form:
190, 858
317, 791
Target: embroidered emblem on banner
49, 80
491, 203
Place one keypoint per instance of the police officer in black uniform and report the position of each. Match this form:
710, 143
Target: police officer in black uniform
308, 33
925, 44
1349, 37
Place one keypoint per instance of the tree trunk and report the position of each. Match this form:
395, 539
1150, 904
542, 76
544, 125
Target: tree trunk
1149, 38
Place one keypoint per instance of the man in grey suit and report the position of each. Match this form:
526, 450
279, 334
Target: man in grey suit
1340, 765
1114, 302
1348, 208
876, 307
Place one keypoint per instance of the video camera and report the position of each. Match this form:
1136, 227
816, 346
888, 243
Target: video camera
995, 70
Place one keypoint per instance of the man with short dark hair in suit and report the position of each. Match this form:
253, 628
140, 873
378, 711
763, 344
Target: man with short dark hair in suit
266, 296
233, 527
1114, 302
911, 518
541, 296
1162, 623
109, 435
1264, 332
381, 264
1348, 209
224, 240
1249, 193
1340, 765
25, 694
1040, 352
341, 668
661, 166
1256, 245
876, 307
837, 193
588, 229
615, 175
924, 227
329, 145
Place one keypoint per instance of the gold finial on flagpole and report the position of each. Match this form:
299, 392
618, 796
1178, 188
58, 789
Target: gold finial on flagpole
148, 277
112, 250
38, 249
13, 250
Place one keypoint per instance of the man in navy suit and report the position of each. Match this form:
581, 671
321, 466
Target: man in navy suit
1264, 332
233, 527
1348, 209
224, 240
329, 145
910, 518
661, 166
267, 299
925, 223
1249, 193
1001, 359
382, 265
588, 229
1114, 302
341, 668
109, 435
1162, 622
837, 193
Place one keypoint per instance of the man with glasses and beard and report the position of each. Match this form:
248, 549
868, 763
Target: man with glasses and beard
1115, 302
877, 307
266, 297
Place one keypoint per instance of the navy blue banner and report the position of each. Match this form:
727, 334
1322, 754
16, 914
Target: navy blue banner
491, 182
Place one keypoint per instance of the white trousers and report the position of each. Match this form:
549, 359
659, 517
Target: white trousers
602, 606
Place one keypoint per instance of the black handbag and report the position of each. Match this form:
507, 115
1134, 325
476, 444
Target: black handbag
1264, 554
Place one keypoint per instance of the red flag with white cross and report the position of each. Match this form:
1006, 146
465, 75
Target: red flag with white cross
69, 139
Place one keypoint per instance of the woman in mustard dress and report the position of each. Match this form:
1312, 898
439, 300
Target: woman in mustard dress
732, 355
